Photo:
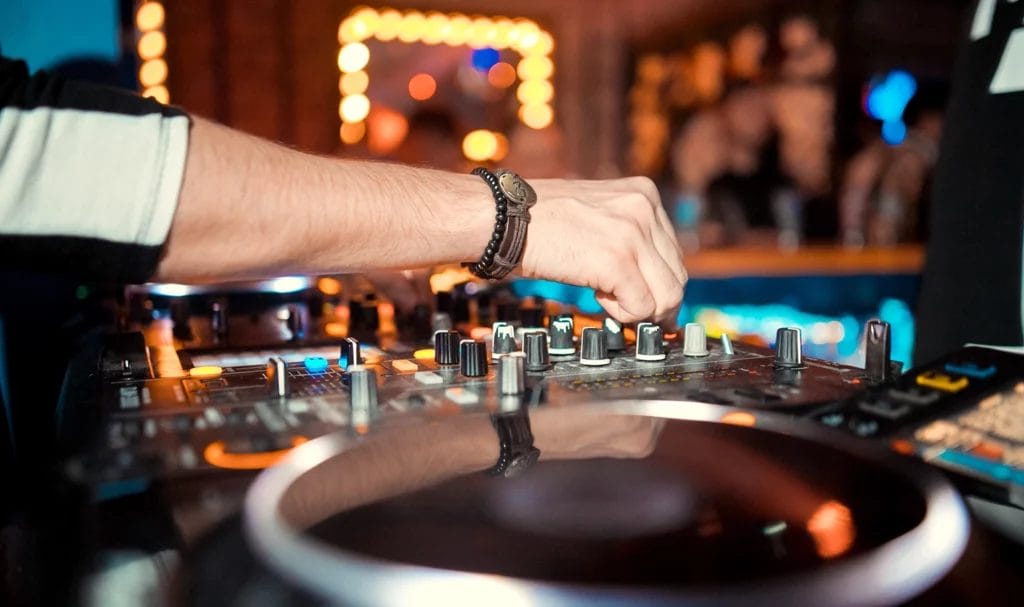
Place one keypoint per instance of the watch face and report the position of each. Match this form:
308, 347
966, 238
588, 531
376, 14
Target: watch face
522, 463
515, 188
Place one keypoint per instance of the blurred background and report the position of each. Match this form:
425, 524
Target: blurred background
792, 141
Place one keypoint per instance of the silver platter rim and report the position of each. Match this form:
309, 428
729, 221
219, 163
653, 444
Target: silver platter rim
892, 573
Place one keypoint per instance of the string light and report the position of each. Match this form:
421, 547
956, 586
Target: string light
150, 45
521, 35
479, 145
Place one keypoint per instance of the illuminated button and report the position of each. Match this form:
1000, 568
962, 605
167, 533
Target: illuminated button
315, 364
405, 365
971, 370
205, 372
424, 354
941, 381
988, 450
429, 378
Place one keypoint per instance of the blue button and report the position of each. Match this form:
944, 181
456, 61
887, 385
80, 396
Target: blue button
987, 467
971, 370
315, 364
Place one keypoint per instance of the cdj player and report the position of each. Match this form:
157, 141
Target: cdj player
674, 468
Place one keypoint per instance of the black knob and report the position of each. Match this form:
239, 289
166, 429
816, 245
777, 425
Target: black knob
535, 344
788, 348
278, 383
446, 347
878, 351
561, 337
650, 344
532, 317
503, 339
350, 353
593, 350
613, 336
473, 357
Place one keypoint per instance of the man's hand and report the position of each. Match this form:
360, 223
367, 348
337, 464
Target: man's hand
613, 236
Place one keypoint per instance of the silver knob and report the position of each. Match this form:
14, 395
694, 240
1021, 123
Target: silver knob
278, 383
695, 340
511, 376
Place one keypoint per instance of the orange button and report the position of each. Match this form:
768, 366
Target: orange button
993, 451
205, 372
903, 447
941, 381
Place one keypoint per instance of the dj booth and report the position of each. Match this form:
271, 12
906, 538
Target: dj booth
299, 442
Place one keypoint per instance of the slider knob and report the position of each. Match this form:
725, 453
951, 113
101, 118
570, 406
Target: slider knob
695, 340
278, 383
504, 339
650, 344
511, 376
561, 337
362, 393
788, 348
727, 348
614, 339
446, 347
878, 352
350, 353
535, 345
593, 349
473, 358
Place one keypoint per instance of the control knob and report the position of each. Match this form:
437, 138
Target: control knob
473, 358
511, 377
362, 394
504, 339
878, 352
535, 345
788, 348
350, 353
446, 347
695, 340
278, 383
614, 339
561, 337
593, 349
650, 344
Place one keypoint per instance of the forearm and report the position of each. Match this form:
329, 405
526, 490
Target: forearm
250, 208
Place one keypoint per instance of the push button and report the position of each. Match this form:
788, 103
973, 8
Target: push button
971, 370
941, 381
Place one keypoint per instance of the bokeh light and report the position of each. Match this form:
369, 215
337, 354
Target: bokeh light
535, 92
159, 92
389, 24
352, 132
354, 83
150, 16
458, 30
422, 87
353, 57
537, 116
152, 45
436, 28
413, 26
536, 67
153, 72
479, 145
501, 75
501, 149
354, 108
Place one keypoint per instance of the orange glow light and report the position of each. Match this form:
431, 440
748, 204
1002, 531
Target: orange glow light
352, 132
501, 75
536, 116
739, 418
329, 286
153, 72
422, 87
501, 150
354, 83
205, 372
354, 108
336, 329
479, 145
158, 92
216, 454
152, 45
150, 16
831, 528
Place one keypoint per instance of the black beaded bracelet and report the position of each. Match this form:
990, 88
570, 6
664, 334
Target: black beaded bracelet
513, 198
481, 267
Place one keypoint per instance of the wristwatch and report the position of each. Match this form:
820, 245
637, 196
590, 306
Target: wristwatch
516, 443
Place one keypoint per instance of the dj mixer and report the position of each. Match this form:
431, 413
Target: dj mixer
202, 389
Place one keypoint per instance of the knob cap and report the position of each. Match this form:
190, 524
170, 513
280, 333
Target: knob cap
695, 340
561, 337
446, 347
511, 377
878, 351
504, 339
650, 344
727, 348
788, 348
535, 345
362, 394
441, 321
349, 354
614, 339
473, 358
278, 383
593, 350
